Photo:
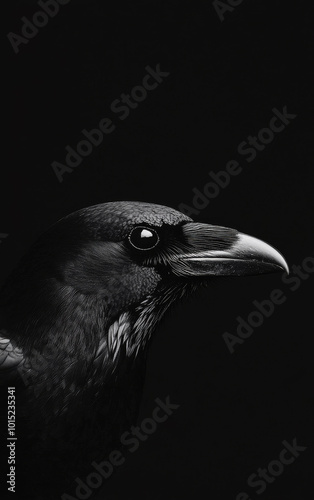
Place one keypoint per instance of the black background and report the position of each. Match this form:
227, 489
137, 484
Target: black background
225, 79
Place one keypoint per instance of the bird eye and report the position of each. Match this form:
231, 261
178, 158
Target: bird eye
143, 238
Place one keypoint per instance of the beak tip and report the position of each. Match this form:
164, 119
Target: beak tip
285, 266
265, 252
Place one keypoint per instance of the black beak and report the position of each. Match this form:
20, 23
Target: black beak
219, 251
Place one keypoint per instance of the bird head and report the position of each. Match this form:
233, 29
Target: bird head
127, 251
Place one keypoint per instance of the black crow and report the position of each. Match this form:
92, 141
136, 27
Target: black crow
77, 315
